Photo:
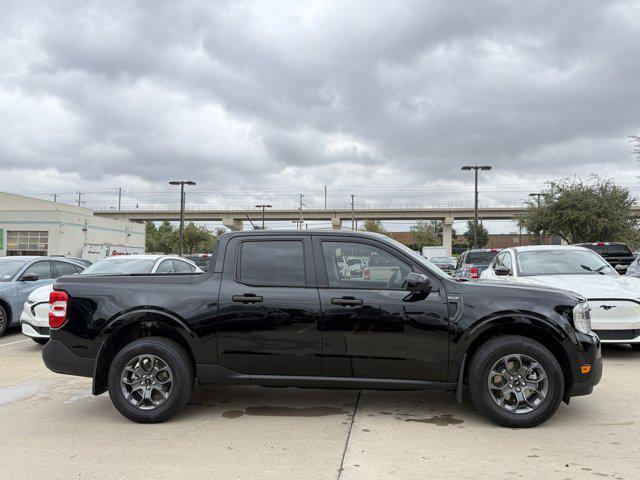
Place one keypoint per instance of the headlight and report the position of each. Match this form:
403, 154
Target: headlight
582, 317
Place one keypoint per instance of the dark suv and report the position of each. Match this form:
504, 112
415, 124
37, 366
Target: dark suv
613, 252
278, 309
472, 262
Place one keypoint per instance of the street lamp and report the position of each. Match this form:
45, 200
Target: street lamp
475, 206
182, 183
263, 207
537, 195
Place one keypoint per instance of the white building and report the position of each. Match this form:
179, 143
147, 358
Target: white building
29, 226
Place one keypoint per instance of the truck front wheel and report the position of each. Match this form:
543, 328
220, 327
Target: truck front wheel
515, 381
150, 379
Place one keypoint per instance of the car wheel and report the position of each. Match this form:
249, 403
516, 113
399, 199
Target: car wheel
150, 379
40, 341
515, 381
3, 321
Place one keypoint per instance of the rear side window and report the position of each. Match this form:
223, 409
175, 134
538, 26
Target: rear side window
62, 268
166, 267
278, 263
181, 267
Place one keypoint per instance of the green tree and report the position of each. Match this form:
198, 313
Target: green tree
579, 211
424, 234
483, 234
373, 226
198, 238
166, 238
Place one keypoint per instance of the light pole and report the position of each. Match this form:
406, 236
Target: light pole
263, 207
182, 183
475, 203
537, 195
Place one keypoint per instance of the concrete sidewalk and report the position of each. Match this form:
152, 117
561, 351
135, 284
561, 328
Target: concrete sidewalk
51, 427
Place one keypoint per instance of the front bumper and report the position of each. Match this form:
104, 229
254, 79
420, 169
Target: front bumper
58, 358
589, 353
34, 332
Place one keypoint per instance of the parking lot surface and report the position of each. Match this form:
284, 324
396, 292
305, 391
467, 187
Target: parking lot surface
52, 427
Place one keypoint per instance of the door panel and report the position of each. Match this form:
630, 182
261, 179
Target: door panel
382, 331
266, 327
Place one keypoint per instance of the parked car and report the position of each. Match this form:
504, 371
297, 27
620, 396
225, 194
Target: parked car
472, 262
615, 309
618, 255
20, 275
35, 314
274, 310
200, 259
633, 270
447, 264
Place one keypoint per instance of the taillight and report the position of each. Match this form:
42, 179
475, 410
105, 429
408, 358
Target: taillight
57, 308
473, 272
600, 244
366, 273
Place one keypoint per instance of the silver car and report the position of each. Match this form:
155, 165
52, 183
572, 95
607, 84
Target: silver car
19, 276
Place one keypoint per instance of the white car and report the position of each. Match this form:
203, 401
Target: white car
35, 314
614, 299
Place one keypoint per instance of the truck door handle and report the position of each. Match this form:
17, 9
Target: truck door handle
346, 301
247, 298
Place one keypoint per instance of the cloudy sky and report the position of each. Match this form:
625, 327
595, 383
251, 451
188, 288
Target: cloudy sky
260, 101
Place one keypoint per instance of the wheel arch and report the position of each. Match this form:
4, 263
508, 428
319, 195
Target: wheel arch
7, 308
526, 324
133, 325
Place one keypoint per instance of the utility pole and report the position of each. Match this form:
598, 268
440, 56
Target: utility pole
80, 202
325, 197
182, 183
119, 198
263, 208
301, 205
537, 195
55, 196
475, 203
353, 213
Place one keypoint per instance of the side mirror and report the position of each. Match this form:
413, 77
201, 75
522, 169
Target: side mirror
418, 283
502, 271
29, 277
621, 268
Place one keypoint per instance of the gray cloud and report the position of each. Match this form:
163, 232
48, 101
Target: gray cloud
289, 95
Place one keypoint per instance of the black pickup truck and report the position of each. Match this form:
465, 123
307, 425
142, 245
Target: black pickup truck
276, 309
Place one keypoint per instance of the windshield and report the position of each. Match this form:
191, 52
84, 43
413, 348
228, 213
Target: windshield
417, 257
9, 267
481, 258
562, 262
120, 266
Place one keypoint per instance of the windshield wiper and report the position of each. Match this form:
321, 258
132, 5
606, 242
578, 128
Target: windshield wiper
597, 270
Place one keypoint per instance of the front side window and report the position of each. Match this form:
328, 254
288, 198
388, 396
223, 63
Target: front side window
181, 267
383, 270
9, 267
275, 263
42, 269
506, 261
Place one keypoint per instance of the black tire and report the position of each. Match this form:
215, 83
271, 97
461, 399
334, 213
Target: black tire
478, 378
4, 321
181, 367
40, 341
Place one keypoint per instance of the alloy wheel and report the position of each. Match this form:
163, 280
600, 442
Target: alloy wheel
518, 383
146, 382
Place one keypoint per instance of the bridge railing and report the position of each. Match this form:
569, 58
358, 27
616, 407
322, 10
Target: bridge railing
311, 208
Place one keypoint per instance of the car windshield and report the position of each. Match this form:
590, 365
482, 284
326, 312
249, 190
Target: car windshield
120, 266
481, 258
418, 258
9, 267
562, 262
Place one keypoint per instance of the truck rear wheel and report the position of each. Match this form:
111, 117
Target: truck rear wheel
150, 379
516, 381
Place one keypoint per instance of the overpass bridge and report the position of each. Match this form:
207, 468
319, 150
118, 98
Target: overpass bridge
234, 217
